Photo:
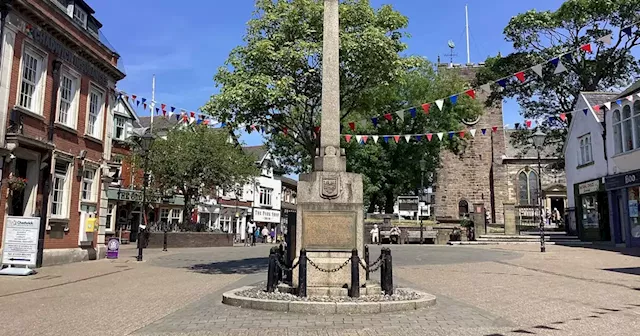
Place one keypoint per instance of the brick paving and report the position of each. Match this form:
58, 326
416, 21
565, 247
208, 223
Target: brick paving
487, 291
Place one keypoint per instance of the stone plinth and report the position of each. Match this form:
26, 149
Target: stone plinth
510, 219
330, 224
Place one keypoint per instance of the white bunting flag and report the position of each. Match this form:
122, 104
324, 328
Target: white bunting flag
473, 132
486, 88
407, 137
638, 94
440, 135
170, 114
630, 98
608, 105
358, 138
400, 114
440, 103
560, 68
375, 139
537, 69
606, 39
192, 120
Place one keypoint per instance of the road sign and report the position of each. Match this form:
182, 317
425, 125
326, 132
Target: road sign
20, 243
408, 203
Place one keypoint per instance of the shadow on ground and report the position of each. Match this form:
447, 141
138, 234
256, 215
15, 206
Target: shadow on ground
606, 246
241, 266
625, 270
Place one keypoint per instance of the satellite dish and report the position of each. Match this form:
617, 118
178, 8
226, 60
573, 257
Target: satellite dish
451, 44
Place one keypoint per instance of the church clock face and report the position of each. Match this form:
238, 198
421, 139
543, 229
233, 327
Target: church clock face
471, 122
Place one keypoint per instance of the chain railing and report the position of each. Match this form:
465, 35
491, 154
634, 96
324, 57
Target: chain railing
331, 270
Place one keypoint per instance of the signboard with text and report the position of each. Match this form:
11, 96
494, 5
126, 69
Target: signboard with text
589, 187
265, 215
20, 241
408, 203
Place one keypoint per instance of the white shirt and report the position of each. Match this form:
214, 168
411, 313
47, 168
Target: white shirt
251, 227
375, 231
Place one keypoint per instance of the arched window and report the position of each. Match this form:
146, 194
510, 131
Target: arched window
627, 129
636, 121
463, 208
617, 132
528, 187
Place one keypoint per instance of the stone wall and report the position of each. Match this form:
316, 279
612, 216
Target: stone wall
190, 239
468, 176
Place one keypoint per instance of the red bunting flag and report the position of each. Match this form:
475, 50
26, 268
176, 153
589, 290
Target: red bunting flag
164, 113
429, 136
520, 76
163, 106
352, 126
586, 47
596, 108
471, 93
494, 129
528, 123
347, 137
285, 130
426, 108
461, 134
144, 106
133, 97
317, 129
185, 118
364, 138
396, 138
193, 114
206, 122
388, 116
563, 116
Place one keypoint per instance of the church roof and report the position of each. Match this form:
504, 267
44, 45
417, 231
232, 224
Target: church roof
520, 152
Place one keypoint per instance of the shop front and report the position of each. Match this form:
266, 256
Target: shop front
624, 197
266, 217
592, 211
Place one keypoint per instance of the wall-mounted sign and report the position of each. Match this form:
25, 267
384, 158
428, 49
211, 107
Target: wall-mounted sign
623, 180
265, 215
408, 203
589, 187
20, 241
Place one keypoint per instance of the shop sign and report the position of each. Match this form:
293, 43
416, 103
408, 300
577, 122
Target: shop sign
264, 215
20, 240
589, 187
135, 196
408, 203
623, 180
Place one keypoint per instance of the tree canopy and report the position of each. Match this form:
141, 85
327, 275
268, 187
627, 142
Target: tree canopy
539, 36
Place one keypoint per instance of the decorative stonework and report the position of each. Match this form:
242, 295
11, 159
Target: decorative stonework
330, 186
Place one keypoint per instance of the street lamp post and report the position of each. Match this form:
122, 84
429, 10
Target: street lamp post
423, 166
538, 141
145, 144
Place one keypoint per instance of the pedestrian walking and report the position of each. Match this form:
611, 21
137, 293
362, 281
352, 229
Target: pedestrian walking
256, 235
273, 235
250, 237
265, 234
375, 234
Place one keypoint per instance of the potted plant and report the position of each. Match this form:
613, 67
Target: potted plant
16, 183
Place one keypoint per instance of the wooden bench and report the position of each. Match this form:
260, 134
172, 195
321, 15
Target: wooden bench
412, 235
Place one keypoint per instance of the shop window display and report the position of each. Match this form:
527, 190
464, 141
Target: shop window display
634, 197
590, 215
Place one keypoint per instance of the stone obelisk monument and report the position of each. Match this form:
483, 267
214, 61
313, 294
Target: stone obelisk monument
330, 214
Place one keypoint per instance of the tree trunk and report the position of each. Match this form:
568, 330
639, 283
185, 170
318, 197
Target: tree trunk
389, 202
373, 199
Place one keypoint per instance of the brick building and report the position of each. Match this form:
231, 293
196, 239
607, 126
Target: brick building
57, 82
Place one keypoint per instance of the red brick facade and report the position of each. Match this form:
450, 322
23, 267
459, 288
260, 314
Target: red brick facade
24, 16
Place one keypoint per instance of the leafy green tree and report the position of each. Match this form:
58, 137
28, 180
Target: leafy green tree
539, 36
195, 161
274, 79
391, 169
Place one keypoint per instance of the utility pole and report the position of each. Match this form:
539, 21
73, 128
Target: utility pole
153, 100
466, 16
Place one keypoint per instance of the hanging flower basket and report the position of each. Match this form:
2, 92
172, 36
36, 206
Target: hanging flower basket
16, 183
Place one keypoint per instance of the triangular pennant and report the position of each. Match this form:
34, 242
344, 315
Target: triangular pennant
388, 116
503, 82
630, 98
607, 39
177, 116
385, 138
426, 107
144, 106
517, 126
528, 123
144, 100
484, 131
157, 110
400, 114
440, 103
555, 61
285, 131
164, 113
375, 138
586, 47
163, 106
413, 112
619, 102
374, 120
451, 135
364, 138
352, 126
429, 136
170, 114
173, 109
608, 105
537, 69
358, 138
627, 30
494, 129
551, 119
418, 137
453, 99
595, 108
563, 116
471, 93
520, 76
440, 135
560, 68
396, 138
461, 133
486, 88
199, 121
137, 103
472, 132
192, 120
316, 129
568, 57
133, 97
206, 122
407, 138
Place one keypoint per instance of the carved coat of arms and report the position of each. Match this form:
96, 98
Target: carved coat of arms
330, 187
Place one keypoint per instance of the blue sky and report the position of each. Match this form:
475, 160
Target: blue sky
183, 43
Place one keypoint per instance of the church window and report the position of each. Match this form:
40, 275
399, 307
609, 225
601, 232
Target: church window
528, 188
463, 208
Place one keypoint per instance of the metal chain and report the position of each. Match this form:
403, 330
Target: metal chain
372, 265
329, 270
375, 268
284, 267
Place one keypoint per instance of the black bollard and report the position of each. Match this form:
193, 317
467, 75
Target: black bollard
271, 274
164, 243
355, 274
389, 273
281, 259
421, 232
366, 261
302, 274
383, 269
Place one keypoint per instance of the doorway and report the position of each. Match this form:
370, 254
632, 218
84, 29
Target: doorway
621, 228
18, 196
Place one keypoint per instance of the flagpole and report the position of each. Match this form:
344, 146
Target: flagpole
153, 99
466, 16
